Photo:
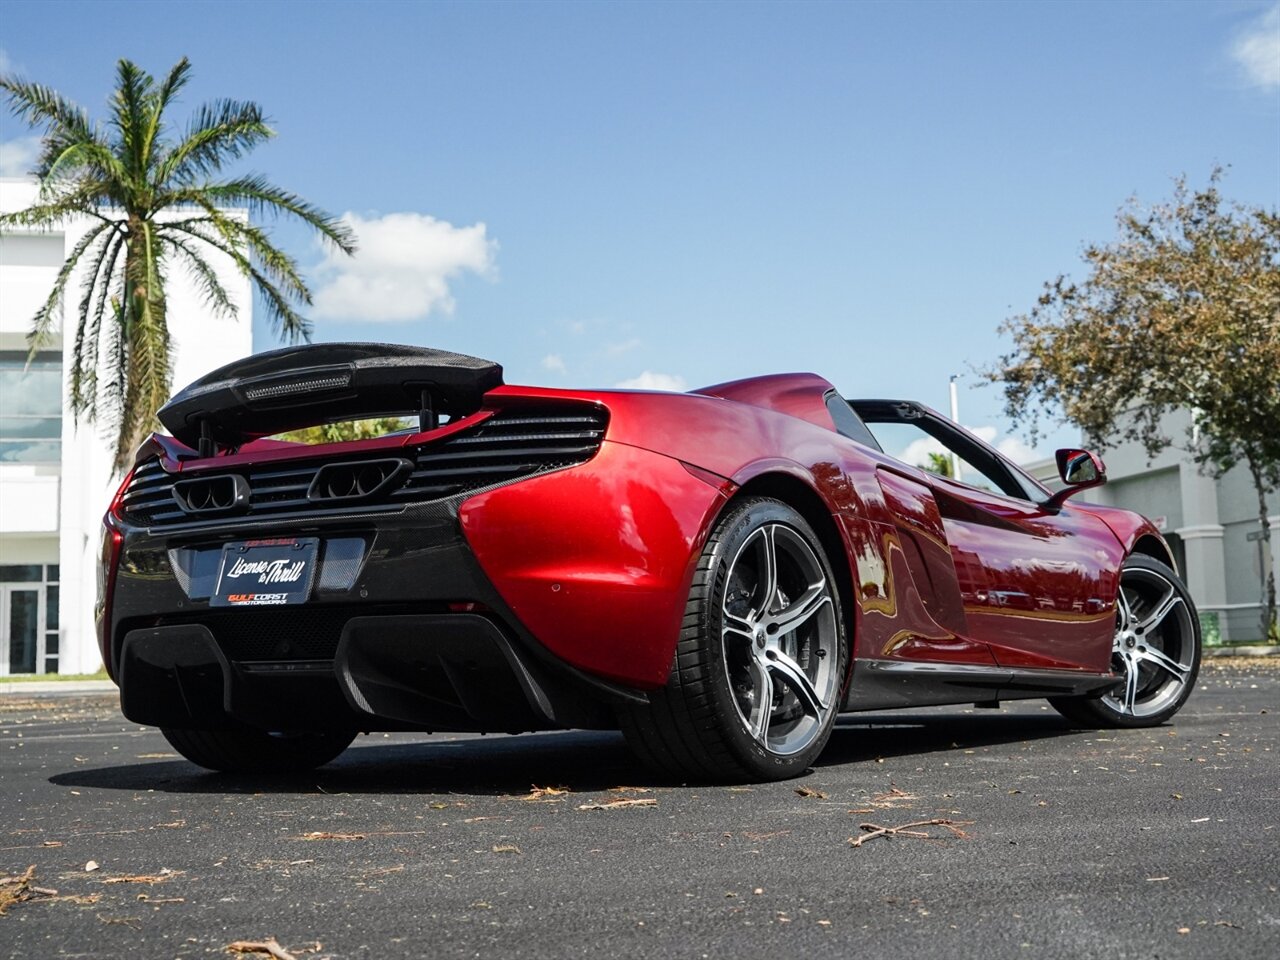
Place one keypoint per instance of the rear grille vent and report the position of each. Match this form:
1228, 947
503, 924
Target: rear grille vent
510, 445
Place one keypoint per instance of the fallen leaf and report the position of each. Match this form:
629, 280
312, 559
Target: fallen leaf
507, 848
806, 791
325, 835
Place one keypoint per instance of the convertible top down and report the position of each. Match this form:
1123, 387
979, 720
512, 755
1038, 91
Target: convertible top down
717, 573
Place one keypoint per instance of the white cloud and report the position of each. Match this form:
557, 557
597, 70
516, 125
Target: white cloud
626, 346
650, 380
1257, 50
555, 363
402, 269
917, 452
18, 156
1017, 451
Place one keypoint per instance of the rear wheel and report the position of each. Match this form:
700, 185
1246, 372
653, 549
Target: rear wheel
255, 751
757, 678
1156, 649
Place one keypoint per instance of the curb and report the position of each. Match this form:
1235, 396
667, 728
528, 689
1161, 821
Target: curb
1255, 650
21, 687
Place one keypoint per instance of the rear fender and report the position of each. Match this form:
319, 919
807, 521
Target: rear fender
597, 561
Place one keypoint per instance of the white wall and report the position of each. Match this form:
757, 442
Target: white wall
83, 486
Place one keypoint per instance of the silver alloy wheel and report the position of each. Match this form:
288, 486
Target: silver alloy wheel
779, 637
1154, 647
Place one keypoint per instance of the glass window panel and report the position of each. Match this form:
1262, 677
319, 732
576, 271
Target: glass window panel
24, 622
50, 664
51, 573
31, 391
22, 428
30, 451
20, 573
51, 608
51, 644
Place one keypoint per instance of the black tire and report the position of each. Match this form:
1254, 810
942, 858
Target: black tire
1156, 649
255, 751
698, 727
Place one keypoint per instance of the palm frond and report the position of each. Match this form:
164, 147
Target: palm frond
128, 114
84, 156
83, 386
285, 321
281, 268
261, 196
215, 294
218, 134
55, 213
41, 106
42, 323
168, 91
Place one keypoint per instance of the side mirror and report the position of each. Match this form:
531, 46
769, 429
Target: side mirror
1079, 470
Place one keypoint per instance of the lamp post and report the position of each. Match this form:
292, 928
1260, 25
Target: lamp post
955, 418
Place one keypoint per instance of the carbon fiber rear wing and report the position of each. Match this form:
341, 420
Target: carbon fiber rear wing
269, 393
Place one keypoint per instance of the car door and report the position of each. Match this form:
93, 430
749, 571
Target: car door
1037, 585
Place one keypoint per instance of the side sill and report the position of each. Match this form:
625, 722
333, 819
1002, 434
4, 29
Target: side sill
888, 684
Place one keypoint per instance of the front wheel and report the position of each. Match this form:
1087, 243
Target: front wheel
256, 751
1156, 650
760, 665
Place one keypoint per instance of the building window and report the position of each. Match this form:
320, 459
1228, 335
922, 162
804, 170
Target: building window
29, 618
30, 408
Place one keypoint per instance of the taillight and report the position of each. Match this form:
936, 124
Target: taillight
108, 561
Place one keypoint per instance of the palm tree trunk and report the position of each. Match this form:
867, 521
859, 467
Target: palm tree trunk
146, 348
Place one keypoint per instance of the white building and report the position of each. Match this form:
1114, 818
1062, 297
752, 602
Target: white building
1211, 524
56, 477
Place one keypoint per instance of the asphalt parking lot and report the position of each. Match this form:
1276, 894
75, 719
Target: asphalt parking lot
1161, 843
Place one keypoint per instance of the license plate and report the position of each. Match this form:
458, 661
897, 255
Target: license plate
259, 573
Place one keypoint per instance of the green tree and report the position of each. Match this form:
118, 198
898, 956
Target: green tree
156, 201
1181, 311
348, 430
938, 463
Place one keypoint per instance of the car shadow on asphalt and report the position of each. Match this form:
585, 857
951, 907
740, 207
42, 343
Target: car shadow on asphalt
581, 761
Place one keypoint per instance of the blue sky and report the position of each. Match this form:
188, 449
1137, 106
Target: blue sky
592, 193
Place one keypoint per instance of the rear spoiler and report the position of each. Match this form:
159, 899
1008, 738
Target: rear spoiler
269, 393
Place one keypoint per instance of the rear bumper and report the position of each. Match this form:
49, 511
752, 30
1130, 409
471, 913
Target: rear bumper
535, 605
388, 672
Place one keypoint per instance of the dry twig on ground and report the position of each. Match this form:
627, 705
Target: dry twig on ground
905, 830
619, 804
270, 948
20, 889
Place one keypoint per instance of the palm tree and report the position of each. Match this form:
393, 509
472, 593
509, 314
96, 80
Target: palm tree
156, 201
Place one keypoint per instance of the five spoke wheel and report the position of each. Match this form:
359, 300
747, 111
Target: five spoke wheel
778, 630
1156, 651
757, 676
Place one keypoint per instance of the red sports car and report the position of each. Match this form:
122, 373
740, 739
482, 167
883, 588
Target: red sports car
717, 573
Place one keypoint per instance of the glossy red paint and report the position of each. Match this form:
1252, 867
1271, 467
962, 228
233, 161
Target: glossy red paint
800, 395
596, 561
